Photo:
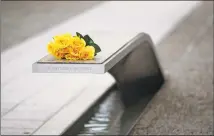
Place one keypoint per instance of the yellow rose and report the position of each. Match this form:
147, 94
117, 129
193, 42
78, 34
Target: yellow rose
77, 45
71, 57
50, 47
62, 41
63, 38
58, 55
78, 42
58, 47
87, 53
64, 50
55, 50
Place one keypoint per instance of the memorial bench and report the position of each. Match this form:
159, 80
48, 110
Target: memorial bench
132, 61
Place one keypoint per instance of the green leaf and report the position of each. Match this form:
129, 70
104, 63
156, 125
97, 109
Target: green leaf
97, 48
88, 40
79, 35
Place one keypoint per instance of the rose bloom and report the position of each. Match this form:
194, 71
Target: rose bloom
53, 48
58, 55
71, 57
59, 46
50, 48
63, 40
87, 53
77, 45
64, 50
60, 42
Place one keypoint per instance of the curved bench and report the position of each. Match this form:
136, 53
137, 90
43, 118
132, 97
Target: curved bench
134, 66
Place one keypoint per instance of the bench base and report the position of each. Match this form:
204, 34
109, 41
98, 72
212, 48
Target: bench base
138, 77
108, 116
138, 74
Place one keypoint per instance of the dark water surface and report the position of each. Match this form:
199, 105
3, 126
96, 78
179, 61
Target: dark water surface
110, 116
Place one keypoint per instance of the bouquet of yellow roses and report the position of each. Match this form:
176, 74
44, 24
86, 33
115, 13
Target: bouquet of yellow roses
70, 47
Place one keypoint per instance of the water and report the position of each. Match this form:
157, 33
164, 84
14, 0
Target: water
111, 115
105, 116
111, 118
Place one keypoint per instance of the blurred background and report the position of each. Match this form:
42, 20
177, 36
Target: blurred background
183, 35
24, 19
